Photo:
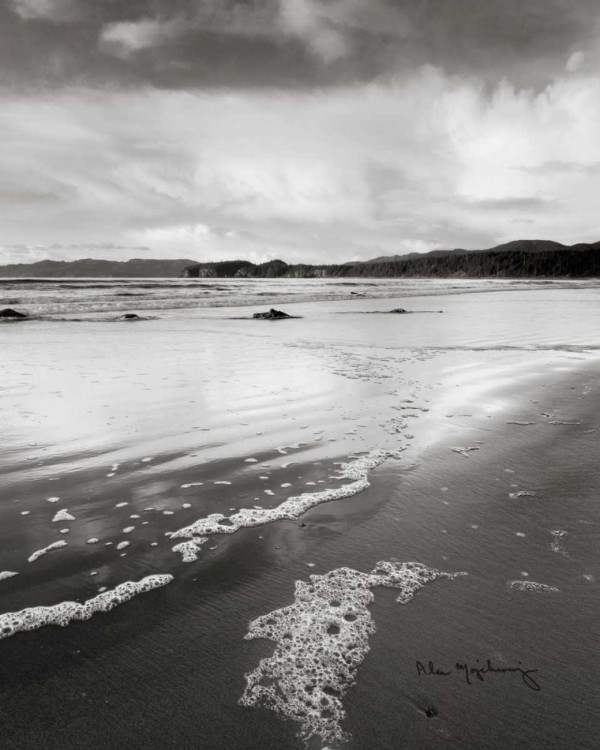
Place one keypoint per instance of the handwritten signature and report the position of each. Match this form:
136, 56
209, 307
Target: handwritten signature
478, 672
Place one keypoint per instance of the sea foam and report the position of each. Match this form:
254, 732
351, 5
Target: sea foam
63, 515
49, 548
357, 471
321, 640
63, 613
533, 586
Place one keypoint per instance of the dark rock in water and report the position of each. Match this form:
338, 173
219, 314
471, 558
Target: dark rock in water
8, 312
131, 316
430, 712
398, 310
271, 315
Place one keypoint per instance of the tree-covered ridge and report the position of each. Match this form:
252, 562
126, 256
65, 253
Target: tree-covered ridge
518, 259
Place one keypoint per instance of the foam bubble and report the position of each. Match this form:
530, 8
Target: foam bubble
122, 545
128, 529
93, 540
189, 550
49, 548
63, 613
52, 499
63, 515
357, 471
4, 574
532, 586
321, 640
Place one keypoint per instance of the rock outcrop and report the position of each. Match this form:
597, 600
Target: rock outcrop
271, 315
8, 312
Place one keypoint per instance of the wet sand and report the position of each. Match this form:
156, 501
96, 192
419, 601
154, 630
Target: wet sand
167, 668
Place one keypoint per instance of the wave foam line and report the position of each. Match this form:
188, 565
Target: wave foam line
63, 613
217, 523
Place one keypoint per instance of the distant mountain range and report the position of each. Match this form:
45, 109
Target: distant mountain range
518, 259
91, 267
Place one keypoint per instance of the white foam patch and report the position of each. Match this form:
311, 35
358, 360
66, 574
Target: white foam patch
557, 542
128, 529
49, 548
521, 493
189, 550
63, 613
532, 586
122, 545
464, 451
357, 471
63, 515
321, 640
53, 499
93, 540
4, 574
191, 484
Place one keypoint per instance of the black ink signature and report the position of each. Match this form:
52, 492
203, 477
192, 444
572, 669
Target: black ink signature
479, 671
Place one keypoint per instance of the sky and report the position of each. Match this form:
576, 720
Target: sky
306, 130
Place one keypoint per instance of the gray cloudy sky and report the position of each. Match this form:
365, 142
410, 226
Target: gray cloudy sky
309, 130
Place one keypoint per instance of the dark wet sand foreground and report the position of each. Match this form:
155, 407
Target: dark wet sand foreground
166, 669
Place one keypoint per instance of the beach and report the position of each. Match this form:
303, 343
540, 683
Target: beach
461, 436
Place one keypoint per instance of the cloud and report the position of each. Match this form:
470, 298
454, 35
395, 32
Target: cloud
575, 61
313, 22
432, 160
126, 38
55, 11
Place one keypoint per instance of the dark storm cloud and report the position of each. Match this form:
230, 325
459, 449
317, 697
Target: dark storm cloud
286, 43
